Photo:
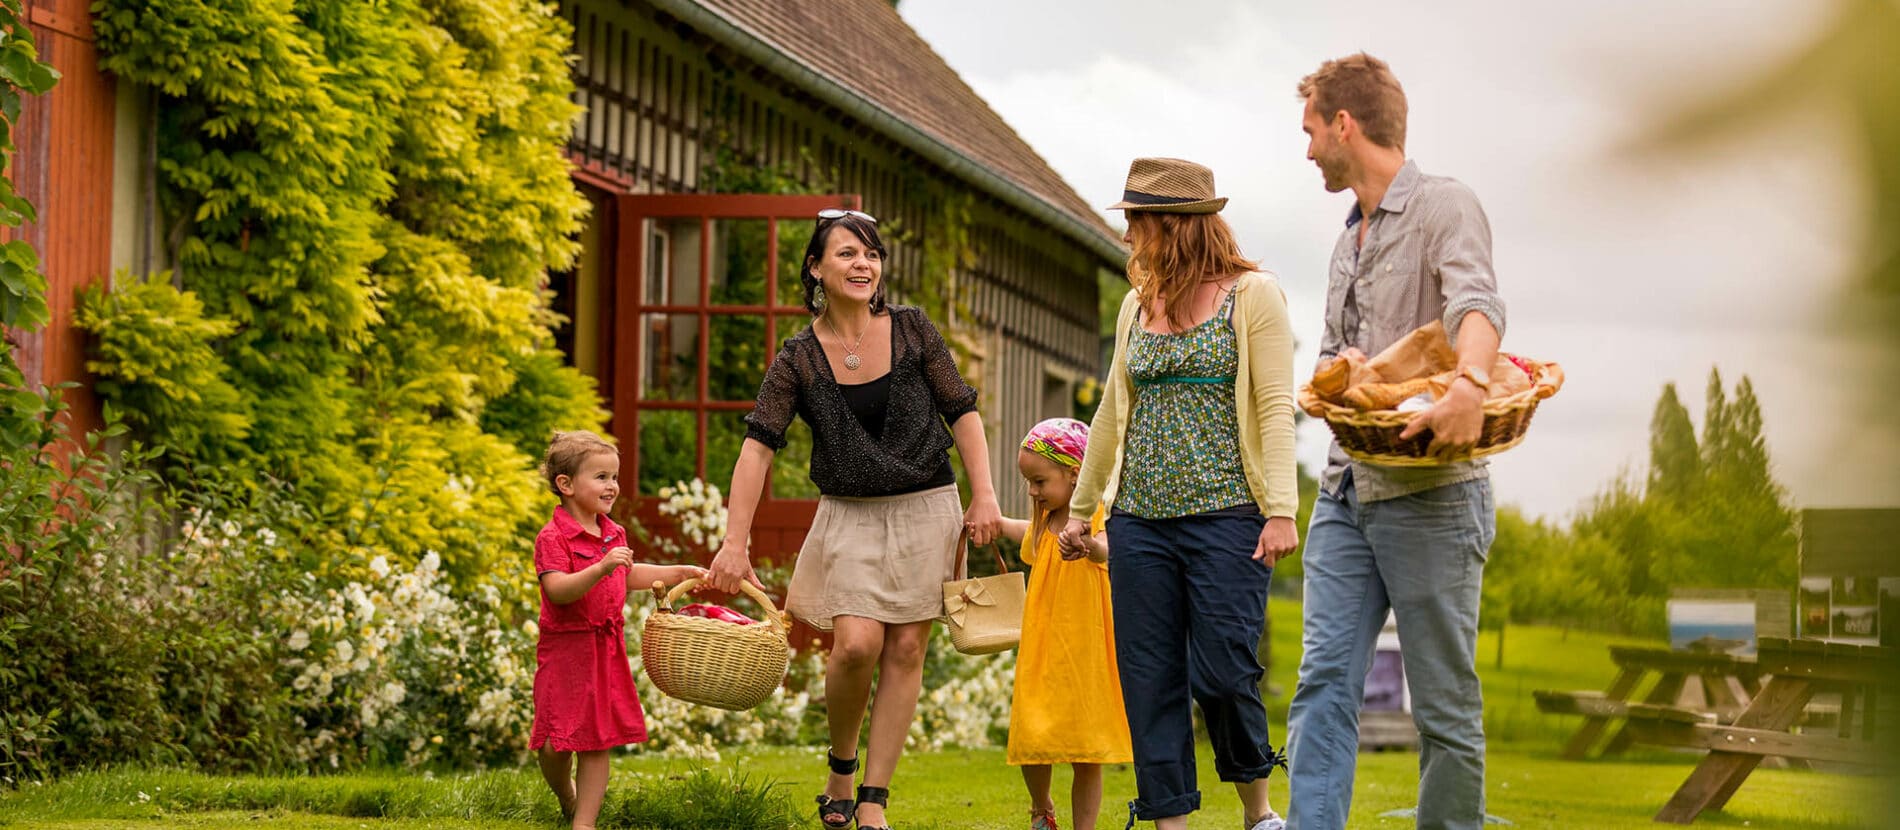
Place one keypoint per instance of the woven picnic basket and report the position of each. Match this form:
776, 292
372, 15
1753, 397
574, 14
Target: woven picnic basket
1373, 437
713, 662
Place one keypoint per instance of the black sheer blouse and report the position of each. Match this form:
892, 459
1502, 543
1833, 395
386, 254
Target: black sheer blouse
926, 395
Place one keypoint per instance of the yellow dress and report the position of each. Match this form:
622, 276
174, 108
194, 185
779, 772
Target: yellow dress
1067, 705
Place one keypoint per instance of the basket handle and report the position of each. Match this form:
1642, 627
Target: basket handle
963, 547
745, 586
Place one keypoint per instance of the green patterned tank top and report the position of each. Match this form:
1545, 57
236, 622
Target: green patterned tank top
1182, 452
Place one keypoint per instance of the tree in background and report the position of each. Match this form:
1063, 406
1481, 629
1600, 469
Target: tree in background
1675, 461
1708, 514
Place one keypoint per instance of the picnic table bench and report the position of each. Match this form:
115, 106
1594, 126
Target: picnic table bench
1864, 676
1694, 682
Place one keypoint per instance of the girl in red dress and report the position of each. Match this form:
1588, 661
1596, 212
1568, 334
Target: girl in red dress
584, 700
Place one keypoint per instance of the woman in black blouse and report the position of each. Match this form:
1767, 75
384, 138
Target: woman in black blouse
881, 393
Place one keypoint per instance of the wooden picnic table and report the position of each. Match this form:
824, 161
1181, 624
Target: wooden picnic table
1865, 677
1699, 682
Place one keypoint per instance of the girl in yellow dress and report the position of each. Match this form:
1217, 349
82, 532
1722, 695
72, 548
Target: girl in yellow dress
1067, 707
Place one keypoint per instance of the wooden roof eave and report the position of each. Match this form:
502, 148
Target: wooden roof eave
756, 48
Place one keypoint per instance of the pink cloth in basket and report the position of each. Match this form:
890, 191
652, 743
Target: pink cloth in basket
716, 612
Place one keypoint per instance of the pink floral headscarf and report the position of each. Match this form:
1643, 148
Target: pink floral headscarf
1061, 440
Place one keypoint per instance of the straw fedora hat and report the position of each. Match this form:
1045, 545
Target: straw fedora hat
1169, 186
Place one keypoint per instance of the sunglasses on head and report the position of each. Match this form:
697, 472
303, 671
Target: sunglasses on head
840, 213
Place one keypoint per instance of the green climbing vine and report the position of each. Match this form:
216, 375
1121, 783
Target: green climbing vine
370, 196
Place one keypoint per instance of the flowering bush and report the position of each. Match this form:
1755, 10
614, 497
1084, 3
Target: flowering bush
397, 670
122, 640
131, 629
699, 509
966, 699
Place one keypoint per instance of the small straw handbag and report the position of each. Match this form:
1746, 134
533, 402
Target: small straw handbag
1373, 437
985, 614
713, 662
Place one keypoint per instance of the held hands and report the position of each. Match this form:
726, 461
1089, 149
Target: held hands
1277, 541
1456, 421
680, 573
984, 519
732, 566
1074, 540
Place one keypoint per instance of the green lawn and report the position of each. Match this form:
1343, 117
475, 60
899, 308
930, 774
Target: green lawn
936, 791
975, 789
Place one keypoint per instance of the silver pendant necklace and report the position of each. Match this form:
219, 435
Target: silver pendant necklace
851, 360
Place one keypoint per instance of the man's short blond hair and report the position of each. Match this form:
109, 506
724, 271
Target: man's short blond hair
1364, 86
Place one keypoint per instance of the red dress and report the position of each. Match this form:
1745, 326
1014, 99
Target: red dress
584, 699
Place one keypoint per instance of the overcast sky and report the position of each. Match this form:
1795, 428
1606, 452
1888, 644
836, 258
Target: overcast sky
1631, 269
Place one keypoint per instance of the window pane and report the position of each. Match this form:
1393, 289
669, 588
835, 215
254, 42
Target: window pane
793, 236
738, 357
669, 357
739, 261
668, 442
672, 266
791, 467
725, 431
790, 324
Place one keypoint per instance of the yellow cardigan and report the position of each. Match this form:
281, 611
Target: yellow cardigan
1263, 395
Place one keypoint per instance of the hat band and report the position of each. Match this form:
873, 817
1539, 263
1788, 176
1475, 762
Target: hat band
1134, 197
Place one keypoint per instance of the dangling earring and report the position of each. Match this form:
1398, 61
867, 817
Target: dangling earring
818, 295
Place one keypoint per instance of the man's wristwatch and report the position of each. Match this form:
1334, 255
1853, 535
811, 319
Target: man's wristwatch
1477, 377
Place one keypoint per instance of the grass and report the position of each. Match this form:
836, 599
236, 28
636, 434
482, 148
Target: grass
679, 798
772, 787
934, 791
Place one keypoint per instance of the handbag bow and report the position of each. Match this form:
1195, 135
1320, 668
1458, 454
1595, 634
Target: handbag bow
973, 593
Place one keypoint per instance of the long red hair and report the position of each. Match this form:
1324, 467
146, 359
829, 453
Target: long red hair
1173, 252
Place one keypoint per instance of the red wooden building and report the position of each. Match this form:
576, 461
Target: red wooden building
65, 145
699, 117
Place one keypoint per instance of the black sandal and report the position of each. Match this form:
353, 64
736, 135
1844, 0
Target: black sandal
843, 809
880, 796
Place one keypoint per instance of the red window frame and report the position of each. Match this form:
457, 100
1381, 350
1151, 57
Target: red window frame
627, 334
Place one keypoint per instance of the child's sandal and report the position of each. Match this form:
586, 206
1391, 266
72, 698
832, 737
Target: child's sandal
838, 813
880, 796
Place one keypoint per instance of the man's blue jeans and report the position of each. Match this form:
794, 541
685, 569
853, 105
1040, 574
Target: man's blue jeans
1422, 556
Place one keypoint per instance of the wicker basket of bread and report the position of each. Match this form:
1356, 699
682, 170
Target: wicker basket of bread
1369, 401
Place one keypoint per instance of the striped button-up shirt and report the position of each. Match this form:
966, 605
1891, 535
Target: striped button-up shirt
1427, 256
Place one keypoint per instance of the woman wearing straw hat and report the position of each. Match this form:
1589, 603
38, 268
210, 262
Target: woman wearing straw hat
1192, 448
881, 392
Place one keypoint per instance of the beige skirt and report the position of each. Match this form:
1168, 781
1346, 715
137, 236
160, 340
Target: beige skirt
884, 558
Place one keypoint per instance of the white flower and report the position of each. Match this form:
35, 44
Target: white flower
345, 651
379, 566
299, 639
